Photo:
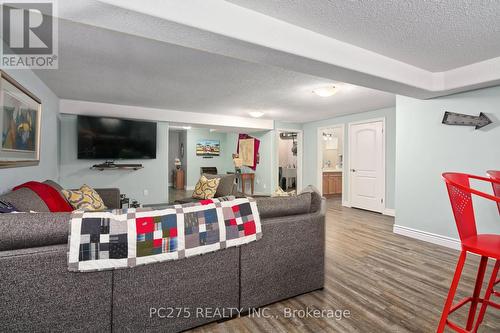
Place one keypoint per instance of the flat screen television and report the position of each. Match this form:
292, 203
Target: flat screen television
115, 139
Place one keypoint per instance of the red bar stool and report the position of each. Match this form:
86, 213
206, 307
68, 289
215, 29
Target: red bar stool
495, 175
485, 245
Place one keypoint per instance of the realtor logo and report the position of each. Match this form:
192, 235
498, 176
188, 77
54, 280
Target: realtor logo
29, 35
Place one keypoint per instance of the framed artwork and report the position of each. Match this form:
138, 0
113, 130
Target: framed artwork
20, 120
208, 148
246, 151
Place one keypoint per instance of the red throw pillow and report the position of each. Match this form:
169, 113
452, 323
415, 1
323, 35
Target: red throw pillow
52, 198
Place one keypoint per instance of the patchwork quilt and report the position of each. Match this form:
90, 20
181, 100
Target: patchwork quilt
131, 237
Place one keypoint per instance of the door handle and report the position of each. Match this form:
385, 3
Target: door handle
353, 170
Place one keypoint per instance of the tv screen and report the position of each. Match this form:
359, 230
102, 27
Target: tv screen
112, 138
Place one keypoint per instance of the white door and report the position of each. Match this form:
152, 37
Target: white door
366, 165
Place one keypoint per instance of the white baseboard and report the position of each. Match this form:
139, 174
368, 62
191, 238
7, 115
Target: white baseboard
386, 211
389, 212
189, 188
428, 237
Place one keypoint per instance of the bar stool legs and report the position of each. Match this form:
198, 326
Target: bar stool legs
477, 292
451, 293
475, 299
489, 291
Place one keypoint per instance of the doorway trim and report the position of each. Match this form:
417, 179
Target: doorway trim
367, 121
300, 150
319, 164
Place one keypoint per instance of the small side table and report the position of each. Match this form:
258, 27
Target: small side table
179, 179
244, 177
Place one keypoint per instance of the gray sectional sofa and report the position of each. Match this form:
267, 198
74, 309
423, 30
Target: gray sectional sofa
39, 294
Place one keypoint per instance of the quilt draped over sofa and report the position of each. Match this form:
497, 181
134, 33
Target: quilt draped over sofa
131, 237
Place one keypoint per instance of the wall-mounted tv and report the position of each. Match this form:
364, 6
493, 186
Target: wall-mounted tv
208, 148
114, 139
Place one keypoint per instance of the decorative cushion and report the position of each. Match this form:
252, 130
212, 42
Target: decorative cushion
53, 184
206, 188
49, 195
283, 206
316, 197
226, 184
25, 200
86, 198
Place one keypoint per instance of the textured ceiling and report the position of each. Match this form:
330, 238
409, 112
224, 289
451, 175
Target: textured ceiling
111, 67
436, 35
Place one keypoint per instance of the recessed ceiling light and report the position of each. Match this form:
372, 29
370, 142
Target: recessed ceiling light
326, 91
256, 114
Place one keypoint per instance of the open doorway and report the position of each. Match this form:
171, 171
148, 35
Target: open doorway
177, 163
331, 161
289, 163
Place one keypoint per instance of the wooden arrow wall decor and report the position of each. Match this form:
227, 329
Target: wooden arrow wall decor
459, 119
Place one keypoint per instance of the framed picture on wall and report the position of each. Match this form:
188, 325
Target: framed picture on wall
246, 151
208, 148
20, 120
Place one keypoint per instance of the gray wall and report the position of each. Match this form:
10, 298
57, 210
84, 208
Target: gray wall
426, 148
154, 176
310, 159
49, 157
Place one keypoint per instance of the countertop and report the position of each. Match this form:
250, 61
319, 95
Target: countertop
332, 170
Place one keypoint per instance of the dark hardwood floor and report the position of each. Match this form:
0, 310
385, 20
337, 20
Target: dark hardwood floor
389, 283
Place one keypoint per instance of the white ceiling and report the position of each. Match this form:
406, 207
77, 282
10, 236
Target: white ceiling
107, 66
227, 29
433, 35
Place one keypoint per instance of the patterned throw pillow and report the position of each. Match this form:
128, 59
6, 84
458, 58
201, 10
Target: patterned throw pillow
86, 198
206, 188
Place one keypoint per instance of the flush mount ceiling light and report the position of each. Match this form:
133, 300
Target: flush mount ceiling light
256, 114
186, 127
326, 91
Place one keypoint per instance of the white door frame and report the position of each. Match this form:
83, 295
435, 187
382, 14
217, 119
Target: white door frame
367, 121
300, 135
319, 165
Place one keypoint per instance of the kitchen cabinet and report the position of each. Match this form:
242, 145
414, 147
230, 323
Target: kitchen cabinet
332, 183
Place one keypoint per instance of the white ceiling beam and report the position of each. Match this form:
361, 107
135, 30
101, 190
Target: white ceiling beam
67, 106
